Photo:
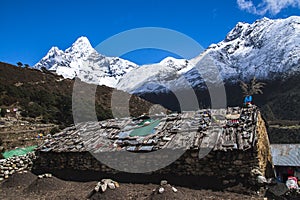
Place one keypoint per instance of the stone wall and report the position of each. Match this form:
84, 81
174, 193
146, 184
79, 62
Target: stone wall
229, 168
15, 164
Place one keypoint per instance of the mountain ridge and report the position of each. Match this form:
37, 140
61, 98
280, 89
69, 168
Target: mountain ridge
266, 49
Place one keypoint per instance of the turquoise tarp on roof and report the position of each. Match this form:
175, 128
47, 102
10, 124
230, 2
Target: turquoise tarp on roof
18, 151
145, 130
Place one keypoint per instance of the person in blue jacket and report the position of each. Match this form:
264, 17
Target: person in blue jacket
248, 100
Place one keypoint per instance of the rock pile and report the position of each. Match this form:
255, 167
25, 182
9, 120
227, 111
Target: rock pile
166, 191
106, 183
47, 175
15, 164
163, 185
103, 185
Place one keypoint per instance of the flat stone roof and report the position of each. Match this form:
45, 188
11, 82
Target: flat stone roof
223, 129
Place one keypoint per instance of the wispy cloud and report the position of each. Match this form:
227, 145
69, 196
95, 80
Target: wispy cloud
267, 6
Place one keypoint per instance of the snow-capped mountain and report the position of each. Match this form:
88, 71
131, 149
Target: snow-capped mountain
265, 49
155, 77
83, 61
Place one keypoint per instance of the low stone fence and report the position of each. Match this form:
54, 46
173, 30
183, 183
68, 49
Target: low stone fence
15, 164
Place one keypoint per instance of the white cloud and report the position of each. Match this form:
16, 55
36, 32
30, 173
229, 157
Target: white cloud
267, 6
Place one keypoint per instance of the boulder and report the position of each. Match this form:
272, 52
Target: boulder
161, 190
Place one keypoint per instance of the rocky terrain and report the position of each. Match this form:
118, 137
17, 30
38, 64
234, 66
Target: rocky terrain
29, 186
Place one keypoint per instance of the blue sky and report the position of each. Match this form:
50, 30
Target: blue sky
29, 28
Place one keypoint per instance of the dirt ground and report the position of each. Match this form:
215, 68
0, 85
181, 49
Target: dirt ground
29, 186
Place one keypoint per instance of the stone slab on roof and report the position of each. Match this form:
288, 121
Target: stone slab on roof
223, 129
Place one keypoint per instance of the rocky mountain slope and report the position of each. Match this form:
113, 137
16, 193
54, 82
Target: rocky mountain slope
265, 49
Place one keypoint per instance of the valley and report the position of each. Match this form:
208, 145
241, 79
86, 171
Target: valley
49, 107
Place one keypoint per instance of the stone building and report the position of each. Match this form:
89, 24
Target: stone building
207, 148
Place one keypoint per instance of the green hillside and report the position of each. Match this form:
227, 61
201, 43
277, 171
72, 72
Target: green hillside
49, 97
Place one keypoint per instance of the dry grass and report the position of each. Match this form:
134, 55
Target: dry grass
263, 145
